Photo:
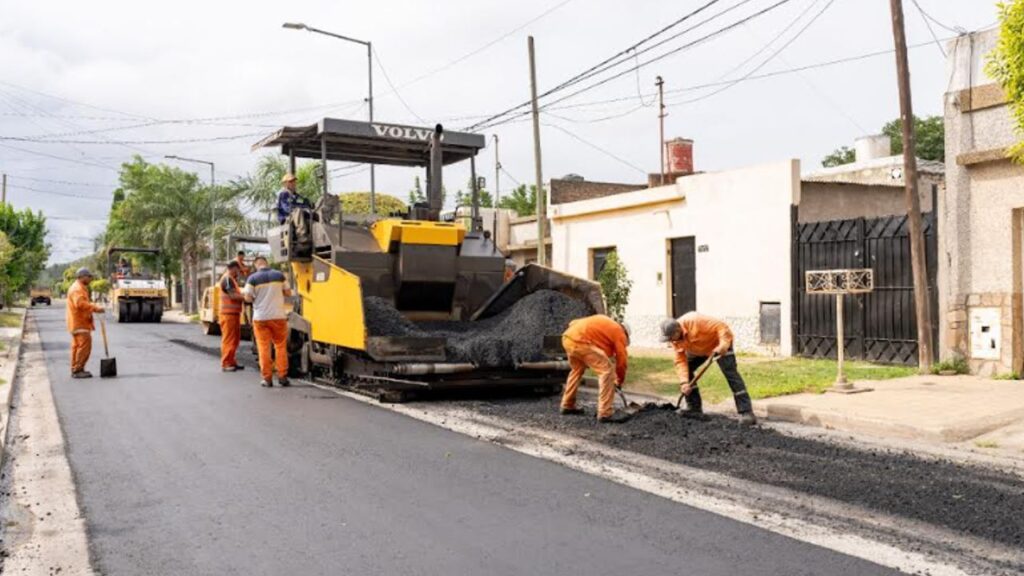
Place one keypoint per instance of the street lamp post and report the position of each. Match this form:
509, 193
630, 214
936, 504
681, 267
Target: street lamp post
369, 98
213, 213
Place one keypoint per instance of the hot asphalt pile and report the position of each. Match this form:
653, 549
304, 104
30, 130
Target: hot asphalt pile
515, 335
973, 500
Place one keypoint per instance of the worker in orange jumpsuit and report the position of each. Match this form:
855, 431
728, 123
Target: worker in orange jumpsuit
269, 293
229, 318
591, 342
80, 323
696, 337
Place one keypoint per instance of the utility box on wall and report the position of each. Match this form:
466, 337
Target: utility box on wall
986, 337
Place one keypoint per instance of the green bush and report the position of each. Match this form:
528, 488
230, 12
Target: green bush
616, 285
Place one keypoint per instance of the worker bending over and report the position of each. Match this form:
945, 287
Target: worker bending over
591, 342
267, 290
80, 323
229, 317
697, 337
288, 199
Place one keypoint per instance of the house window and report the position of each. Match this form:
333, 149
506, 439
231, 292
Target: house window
598, 257
771, 323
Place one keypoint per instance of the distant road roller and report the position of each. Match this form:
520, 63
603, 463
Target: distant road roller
136, 295
395, 306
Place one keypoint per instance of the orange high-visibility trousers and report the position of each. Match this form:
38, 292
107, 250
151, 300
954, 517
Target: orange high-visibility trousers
230, 336
272, 333
583, 356
81, 348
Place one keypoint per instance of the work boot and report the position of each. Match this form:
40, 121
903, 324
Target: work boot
571, 411
239, 367
267, 383
81, 374
229, 368
617, 417
283, 382
748, 419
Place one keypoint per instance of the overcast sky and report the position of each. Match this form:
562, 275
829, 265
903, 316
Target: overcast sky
78, 67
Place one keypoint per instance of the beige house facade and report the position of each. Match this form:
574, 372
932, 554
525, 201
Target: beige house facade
717, 242
981, 260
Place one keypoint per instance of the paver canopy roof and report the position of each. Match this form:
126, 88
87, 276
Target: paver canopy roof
372, 142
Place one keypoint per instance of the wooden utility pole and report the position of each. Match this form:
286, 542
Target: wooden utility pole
4, 187
661, 125
917, 249
497, 173
542, 205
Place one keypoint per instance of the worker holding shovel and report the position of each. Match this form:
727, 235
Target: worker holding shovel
696, 338
80, 323
591, 342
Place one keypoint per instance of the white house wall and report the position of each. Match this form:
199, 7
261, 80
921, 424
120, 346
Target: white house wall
741, 221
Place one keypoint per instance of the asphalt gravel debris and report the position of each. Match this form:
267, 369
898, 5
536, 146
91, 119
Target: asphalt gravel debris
515, 335
975, 500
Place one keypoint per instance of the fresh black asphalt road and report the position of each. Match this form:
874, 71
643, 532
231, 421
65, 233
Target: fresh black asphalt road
181, 469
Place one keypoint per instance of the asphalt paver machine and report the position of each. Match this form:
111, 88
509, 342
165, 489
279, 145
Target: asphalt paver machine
433, 273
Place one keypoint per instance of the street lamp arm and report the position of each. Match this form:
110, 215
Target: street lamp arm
300, 26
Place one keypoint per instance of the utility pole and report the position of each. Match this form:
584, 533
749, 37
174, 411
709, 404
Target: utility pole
497, 173
4, 200
917, 255
661, 124
542, 210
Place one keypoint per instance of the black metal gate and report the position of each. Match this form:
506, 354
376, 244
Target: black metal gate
880, 326
684, 275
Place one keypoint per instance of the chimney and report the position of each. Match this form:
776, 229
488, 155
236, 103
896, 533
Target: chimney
872, 147
678, 162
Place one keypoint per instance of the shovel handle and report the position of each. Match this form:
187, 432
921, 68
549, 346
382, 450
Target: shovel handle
700, 372
103, 331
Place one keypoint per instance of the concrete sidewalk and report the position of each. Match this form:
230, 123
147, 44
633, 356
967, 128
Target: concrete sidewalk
986, 413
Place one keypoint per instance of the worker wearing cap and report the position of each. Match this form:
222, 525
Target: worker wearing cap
229, 318
696, 337
288, 199
591, 342
267, 289
80, 324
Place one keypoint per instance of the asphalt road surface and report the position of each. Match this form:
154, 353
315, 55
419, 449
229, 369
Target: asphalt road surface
181, 469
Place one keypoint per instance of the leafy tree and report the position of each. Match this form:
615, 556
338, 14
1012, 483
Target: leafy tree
840, 156
522, 201
615, 285
931, 141
416, 195
359, 203
168, 208
100, 286
1006, 63
26, 233
930, 133
466, 198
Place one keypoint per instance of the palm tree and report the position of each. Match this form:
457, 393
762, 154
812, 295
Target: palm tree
168, 208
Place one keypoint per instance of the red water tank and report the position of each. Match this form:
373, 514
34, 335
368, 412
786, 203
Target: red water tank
679, 156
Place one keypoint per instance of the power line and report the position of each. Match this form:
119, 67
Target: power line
701, 40
35, 140
598, 148
62, 158
958, 30
394, 90
787, 44
584, 74
928, 24
64, 182
66, 194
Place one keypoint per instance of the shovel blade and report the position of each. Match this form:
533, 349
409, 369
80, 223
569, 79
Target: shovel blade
108, 367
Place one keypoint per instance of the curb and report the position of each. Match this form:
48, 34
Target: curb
8, 373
